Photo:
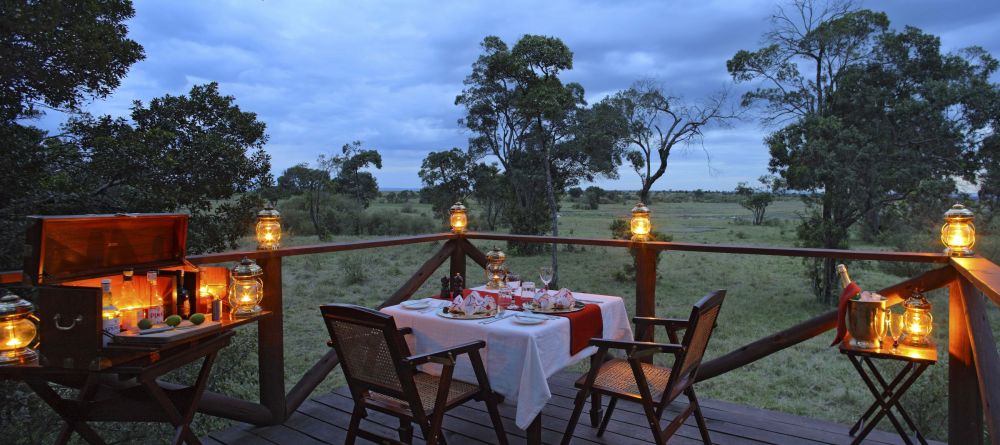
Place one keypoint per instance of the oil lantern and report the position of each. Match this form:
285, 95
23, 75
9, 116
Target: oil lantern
918, 320
268, 228
495, 271
247, 288
640, 224
958, 234
458, 219
18, 331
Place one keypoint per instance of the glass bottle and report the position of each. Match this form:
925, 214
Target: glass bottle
111, 323
130, 303
183, 306
155, 308
845, 280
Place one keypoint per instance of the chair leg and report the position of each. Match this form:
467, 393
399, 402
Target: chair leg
352, 430
595, 409
607, 416
581, 400
405, 430
491, 406
698, 417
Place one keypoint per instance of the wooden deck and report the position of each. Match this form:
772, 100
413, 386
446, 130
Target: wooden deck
324, 419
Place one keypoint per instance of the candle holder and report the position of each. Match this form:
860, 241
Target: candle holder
496, 273
459, 219
641, 225
18, 331
958, 234
247, 288
268, 228
918, 320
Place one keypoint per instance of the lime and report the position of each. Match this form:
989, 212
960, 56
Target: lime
197, 318
173, 320
145, 323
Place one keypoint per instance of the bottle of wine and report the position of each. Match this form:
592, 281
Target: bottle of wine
845, 279
130, 302
155, 308
111, 324
182, 297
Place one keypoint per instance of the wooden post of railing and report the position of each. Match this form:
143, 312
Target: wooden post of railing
458, 259
270, 343
965, 411
645, 285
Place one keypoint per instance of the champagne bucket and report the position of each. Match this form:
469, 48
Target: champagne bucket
866, 322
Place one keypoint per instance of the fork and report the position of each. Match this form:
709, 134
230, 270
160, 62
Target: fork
494, 320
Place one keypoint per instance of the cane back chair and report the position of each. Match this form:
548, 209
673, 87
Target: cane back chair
653, 386
383, 376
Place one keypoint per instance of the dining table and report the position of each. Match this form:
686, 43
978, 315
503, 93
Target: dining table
519, 358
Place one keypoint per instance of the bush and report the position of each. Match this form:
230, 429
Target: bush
354, 270
340, 215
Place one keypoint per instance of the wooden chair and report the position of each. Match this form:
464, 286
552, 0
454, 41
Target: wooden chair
653, 386
383, 376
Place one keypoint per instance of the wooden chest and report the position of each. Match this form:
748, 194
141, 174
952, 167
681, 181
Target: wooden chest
65, 259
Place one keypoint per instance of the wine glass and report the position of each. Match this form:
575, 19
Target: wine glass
503, 298
881, 327
545, 273
514, 284
897, 323
528, 289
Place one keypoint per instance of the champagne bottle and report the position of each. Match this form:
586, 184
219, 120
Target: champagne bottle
845, 279
111, 324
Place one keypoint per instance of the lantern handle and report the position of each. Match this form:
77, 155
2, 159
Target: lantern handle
58, 317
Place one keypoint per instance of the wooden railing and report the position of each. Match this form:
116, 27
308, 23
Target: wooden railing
974, 364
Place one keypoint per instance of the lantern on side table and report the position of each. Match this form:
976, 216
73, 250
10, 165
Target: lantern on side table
459, 219
958, 233
268, 228
247, 288
18, 331
641, 225
918, 320
495, 271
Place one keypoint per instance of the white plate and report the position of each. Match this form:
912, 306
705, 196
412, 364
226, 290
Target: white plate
415, 304
528, 319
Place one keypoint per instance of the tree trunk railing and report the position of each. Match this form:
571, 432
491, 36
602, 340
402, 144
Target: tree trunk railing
974, 364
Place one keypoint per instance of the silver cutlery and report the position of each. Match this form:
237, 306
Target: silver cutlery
496, 319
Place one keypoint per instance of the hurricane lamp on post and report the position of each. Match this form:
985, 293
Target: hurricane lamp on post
496, 273
247, 288
18, 331
268, 228
918, 320
459, 219
641, 225
958, 233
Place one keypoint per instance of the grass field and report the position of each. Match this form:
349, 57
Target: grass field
765, 295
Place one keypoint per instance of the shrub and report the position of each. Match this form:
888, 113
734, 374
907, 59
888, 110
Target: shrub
354, 270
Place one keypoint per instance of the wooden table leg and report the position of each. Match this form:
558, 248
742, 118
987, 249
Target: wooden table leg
886, 405
887, 393
51, 398
535, 431
182, 421
899, 407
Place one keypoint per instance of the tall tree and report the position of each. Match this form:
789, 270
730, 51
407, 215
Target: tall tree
657, 122
756, 199
447, 177
56, 54
886, 114
313, 184
350, 179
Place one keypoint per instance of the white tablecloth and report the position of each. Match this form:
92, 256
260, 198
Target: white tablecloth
519, 359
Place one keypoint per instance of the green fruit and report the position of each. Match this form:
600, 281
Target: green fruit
198, 318
173, 320
145, 323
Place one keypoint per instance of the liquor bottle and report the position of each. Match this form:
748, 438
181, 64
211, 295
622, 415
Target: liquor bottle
845, 280
155, 308
111, 324
130, 302
183, 308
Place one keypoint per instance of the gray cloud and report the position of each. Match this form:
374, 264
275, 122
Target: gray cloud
323, 73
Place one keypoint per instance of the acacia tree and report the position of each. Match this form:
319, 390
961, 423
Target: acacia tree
881, 115
313, 184
447, 177
350, 179
657, 122
756, 199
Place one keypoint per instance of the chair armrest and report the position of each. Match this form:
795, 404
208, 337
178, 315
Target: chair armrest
632, 346
445, 354
673, 324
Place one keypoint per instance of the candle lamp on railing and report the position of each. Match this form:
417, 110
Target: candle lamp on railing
458, 218
268, 228
247, 288
918, 320
18, 331
641, 225
958, 233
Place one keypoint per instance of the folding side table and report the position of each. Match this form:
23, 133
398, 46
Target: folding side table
888, 393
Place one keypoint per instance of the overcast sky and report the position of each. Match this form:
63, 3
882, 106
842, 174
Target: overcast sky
322, 73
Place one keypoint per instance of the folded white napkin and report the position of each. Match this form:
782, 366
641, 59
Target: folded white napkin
564, 299
489, 304
544, 301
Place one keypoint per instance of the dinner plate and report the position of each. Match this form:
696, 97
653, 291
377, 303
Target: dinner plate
415, 304
578, 306
528, 319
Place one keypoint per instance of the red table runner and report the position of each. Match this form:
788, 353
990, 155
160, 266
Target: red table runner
584, 324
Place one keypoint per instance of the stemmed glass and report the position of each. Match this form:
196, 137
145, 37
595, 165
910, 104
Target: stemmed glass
881, 327
897, 323
545, 273
513, 283
528, 289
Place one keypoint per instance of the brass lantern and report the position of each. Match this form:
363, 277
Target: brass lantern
459, 219
958, 233
268, 228
641, 225
18, 331
495, 271
247, 288
918, 321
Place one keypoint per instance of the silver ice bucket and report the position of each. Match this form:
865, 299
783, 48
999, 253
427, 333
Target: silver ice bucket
866, 322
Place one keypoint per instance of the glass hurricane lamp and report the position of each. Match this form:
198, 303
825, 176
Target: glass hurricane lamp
247, 288
459, 219
268, 228
958, 233
18, 331
641, 225
918, 320
495, 270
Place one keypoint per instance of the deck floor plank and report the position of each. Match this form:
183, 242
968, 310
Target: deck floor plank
324, 420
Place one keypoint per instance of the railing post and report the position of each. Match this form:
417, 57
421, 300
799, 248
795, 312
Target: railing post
645, 285
965, 410
458, 258
270, 343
